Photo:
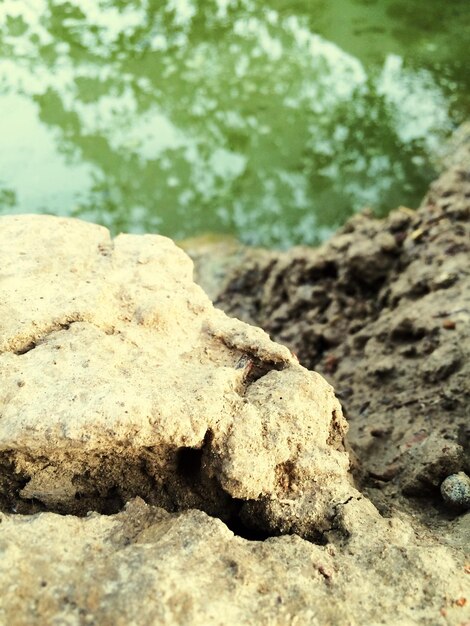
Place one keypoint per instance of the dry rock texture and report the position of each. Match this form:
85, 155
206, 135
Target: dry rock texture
383, 312
125, 393
146, 566
120, 379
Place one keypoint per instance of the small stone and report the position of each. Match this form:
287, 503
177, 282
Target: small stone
448, 324
444, 280
383, 368
400, 219
455, 490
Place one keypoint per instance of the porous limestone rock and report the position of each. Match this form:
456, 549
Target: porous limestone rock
120, 379
144, 566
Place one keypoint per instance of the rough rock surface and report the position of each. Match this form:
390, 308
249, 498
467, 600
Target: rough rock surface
119, 378
146, 566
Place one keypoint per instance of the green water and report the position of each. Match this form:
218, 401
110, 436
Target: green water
272, 120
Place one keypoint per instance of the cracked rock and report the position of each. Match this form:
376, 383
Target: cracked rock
145, 566
120, 379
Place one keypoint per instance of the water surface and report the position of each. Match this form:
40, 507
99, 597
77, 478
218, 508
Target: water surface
272, 120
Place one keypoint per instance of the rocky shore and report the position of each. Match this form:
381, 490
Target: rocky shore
164, 463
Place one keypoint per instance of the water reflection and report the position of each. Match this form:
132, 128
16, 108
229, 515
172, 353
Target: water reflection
189, 116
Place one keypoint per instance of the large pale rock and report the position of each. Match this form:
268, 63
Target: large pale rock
144, 566
119, 378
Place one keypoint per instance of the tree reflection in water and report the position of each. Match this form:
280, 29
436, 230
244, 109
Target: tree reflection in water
190, 116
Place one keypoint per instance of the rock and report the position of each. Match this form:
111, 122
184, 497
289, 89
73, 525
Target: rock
442, 362
146, 566
429, 458
120, 379
455, 490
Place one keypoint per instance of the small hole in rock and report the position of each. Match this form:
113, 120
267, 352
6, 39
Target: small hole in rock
260, 368
189, 463
242, 530
113, 503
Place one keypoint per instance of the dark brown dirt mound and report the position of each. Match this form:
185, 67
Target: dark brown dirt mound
383, 312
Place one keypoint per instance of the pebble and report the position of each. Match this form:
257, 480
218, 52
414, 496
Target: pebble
455, 490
